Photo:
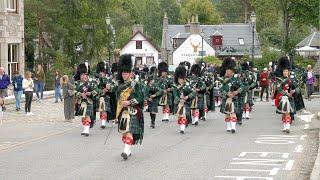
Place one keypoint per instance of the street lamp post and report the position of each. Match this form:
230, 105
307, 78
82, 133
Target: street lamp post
202, 34
253, 20
108, 21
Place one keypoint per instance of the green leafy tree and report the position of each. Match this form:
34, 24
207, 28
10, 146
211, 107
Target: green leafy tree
205, 9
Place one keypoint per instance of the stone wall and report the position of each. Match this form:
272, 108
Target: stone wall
12, 32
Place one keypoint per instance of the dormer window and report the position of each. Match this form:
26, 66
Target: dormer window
241, 41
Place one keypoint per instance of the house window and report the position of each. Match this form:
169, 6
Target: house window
174, 43
12, 5
138, 62
241, 41
13, 54
138, 44
150, 60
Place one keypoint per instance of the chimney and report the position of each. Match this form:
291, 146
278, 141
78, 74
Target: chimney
136, 28
195, 25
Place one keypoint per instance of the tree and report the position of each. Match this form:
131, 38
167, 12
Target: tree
205, 9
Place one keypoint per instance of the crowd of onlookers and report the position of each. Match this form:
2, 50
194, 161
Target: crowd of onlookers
29, 83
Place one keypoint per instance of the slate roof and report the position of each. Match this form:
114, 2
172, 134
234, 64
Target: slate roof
230, 33
313, 40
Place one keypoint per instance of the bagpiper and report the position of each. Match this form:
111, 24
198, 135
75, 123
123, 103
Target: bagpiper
249, 81
286, 90
152, 95
183, 95
164, 81
231, 89
86, 90
129, 106
198, 85
104, 106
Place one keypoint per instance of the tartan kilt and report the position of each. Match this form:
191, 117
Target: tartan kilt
89, 111
108, 104
237, 105
249, 96
200, 102
134, 126
153, 105
169, 99
216, 92
298, 101
291, 100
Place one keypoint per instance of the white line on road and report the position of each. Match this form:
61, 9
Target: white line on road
244, 177
298, 148
287, 136
306, 126
289, 165
265, 154
272, 172
303, 137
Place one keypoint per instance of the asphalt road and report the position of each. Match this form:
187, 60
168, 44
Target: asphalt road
45, 147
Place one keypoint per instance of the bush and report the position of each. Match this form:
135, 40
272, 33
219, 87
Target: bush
302, 62
267, 56
212, 60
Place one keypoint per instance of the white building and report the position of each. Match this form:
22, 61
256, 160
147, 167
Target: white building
192, 49
142, 48
12, 36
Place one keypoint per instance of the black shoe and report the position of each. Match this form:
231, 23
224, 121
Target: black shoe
102, 127
4, 108
239, 122
124, 156
181, 132
228, 130
17, 109
196, 123
86, 134
82, 134
152, 126
233, 131
287, 131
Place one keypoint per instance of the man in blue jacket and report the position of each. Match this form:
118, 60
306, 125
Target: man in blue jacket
17, 90
4, 83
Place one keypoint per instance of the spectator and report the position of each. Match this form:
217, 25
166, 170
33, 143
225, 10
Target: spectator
4, 83
17, 88
57, 86
39, 78
68, 95
28, 85
264, 83
310, 82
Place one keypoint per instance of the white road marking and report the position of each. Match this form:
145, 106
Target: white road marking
289, 165
276, 139
303, 137
298, 148
259, 162
272, 172
306, 117
306, 126
244, 177
265, 154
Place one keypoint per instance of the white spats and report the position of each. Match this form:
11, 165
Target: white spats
228, 126
85, 130
233, 125
127, 149
182, 127
103, 122
247, 114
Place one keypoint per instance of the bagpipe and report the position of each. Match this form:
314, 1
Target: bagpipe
124, 121
164, 98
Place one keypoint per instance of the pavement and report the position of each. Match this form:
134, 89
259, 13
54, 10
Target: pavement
43, 146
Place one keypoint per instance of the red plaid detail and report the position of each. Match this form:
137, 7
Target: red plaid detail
227, 119
165, 110
195, 113
286, 119
182, 120
86, 121
233, 119
127, 140
103, 116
